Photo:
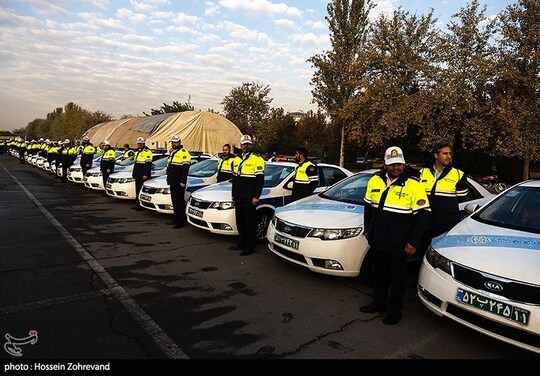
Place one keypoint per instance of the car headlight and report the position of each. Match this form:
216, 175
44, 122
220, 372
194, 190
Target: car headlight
164, 191
222, 205
437, 260
331, 234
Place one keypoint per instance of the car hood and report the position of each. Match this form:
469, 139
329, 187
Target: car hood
120, 175
503, 252
159, 182
319, 212
220, 192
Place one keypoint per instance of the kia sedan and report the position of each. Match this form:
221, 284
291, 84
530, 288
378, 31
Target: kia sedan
485, 272
211, 208
324, 232
156, 195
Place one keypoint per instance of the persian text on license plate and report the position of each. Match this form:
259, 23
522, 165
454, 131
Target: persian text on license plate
195, 212
286, 241
496, 307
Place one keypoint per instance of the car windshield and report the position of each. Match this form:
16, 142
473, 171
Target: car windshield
517, 208
159, 163
125, 162
274, 174
351, 189
203, 169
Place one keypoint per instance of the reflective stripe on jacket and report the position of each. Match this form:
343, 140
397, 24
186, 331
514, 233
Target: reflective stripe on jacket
444, 195
397, 214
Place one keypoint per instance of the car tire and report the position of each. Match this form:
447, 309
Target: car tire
262, 221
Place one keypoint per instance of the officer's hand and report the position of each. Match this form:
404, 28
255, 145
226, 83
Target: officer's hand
409, 249
108, 171
255, 200
182, 185
144, 177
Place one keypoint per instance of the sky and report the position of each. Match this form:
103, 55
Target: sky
128, 56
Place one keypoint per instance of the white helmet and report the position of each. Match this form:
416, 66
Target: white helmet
175, 138
86, 138
105, 143
140, 140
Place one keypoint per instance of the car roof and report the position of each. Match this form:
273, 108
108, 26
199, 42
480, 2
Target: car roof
531, 183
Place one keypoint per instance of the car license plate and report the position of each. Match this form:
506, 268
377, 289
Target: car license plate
195, 212
108, 186
146, 197
286, 241
496, 307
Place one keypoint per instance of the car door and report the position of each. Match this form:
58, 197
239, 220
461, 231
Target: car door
328, 176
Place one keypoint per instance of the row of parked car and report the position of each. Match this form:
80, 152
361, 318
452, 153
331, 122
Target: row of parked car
484, 273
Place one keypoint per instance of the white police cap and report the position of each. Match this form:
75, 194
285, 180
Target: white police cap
246, 139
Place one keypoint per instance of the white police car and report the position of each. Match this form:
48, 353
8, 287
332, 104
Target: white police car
122, 184
324, 232
74, 173
211, 208
485, 272
156, 195
93, 178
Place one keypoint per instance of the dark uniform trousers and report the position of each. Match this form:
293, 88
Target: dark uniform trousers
105, 177
389, 271
246, 223
65, 168
178, 202
138, 186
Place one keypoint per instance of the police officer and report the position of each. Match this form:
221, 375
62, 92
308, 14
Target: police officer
22, 149
177, 173
58, 157
395, 219
142, 170
51, 154
108, 161
87, 154
68, 155
306, 176
247, 185
446, 187
128, 153
225, 164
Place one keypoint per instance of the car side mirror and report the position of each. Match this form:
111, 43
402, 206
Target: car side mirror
471, 208
289, 185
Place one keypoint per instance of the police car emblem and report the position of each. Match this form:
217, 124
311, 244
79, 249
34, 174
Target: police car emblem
287, 229
478, 240
421, 202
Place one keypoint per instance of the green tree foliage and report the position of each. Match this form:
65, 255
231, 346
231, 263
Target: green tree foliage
175, 107
516, 115
316, 134
402, 59
461, 100
337, 77
248, 106
70, 121
279, 132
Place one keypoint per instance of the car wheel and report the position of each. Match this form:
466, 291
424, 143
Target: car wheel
262, 221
